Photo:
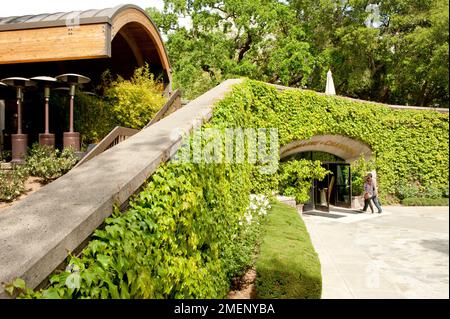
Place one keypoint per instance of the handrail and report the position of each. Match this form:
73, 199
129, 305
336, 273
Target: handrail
117, 135
174, 98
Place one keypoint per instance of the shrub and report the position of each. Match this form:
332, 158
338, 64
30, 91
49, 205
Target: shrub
357, 185
296, 178
129, 103
94, 118
414, 190
135, 102
5, 156
445, 192
12, 183
170, 244
407, 190
418, 201
48, 164
432, 192
242, 253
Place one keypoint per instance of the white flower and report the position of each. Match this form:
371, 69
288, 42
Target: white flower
258, 206
249, 218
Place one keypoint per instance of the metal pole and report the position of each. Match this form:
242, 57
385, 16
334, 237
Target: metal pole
47, 131
19, 110
72, 96
47, 98
71, 114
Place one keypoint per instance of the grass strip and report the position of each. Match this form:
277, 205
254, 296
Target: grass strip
287, 266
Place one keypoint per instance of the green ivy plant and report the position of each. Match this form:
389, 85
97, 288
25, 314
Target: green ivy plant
404, 143
360, 168
182, 235
296, 176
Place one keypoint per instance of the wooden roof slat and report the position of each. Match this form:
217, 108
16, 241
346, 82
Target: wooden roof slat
59, 19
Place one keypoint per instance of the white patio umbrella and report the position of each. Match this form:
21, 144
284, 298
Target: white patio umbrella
329, 89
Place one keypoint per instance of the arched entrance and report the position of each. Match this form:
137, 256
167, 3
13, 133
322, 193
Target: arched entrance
336, 152
347, 148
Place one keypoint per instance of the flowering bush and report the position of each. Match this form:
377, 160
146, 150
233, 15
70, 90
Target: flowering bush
259, 204
12, 183
241, 253
48, 164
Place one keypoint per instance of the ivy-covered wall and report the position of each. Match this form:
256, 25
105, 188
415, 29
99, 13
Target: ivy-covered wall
183, 235
408, 145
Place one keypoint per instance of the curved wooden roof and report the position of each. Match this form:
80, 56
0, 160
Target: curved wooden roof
46, 20
81, 35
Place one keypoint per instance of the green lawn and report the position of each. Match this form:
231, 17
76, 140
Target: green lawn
287, 266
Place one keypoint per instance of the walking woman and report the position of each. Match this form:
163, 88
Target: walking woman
371, 194
368, 193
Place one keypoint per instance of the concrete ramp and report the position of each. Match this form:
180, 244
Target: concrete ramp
37, 233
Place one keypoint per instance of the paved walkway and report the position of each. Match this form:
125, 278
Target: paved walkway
403, 253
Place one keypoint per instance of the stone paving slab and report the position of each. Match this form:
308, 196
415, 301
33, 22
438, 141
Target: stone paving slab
403, 253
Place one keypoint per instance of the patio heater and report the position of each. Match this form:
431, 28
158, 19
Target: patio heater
46, 82
71, 138
3, 87
19, 141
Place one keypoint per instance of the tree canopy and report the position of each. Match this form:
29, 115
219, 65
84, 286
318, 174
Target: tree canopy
394, 51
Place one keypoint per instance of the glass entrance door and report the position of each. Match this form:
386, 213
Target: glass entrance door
334, 190
342, 195
318, 196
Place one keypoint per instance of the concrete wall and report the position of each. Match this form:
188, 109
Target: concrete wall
37, 232
392, 106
